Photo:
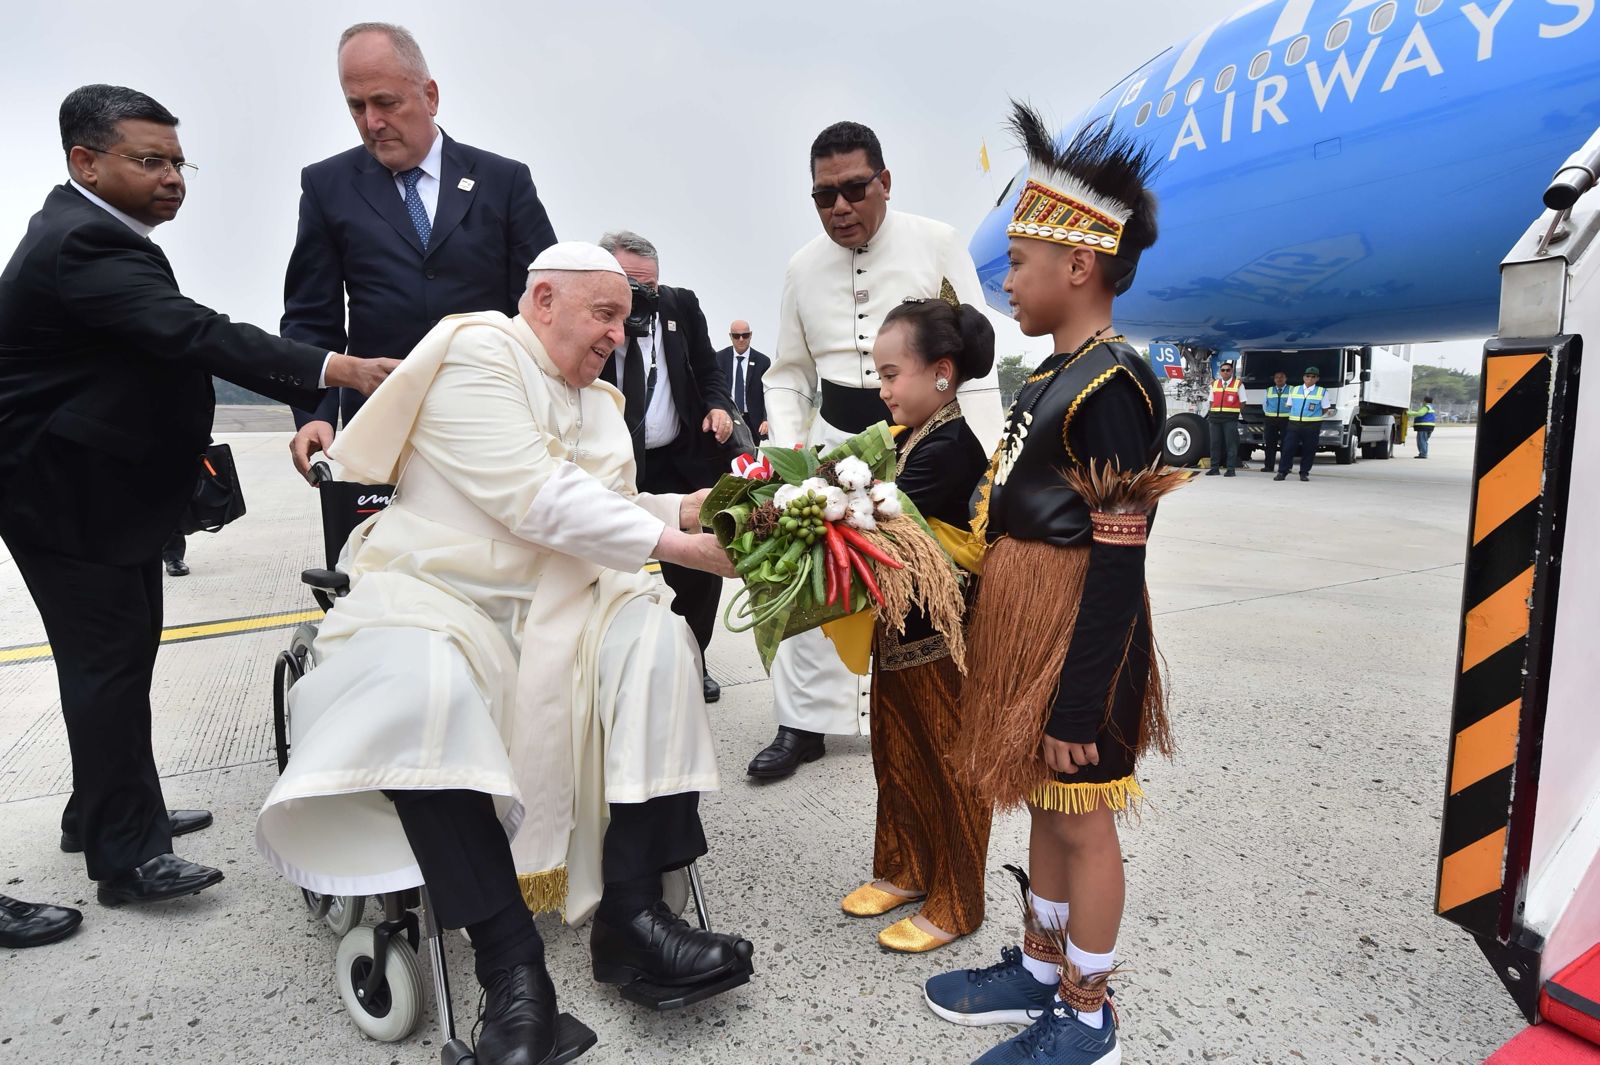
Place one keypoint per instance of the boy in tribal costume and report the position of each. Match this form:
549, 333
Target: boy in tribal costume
1063, 693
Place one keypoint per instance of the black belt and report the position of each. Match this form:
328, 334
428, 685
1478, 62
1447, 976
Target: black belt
852, 410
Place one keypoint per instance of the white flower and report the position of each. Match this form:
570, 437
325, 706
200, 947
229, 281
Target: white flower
787, 494
815, 484
861, 514
887, 497
835, 503
852, 474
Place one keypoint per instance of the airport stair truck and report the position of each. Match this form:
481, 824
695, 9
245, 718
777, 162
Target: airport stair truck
1369, 389
1520, 834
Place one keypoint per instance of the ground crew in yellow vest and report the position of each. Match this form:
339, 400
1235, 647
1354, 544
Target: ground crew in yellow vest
1275, 419
1223, 419
1423, 420
1307, 405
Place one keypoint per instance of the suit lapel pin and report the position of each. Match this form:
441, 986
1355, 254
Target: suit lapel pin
672, 327
465, 184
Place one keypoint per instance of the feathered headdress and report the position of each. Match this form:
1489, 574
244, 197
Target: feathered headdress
1084, 194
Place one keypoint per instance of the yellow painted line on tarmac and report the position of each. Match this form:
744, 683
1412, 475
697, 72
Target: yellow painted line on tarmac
205, 630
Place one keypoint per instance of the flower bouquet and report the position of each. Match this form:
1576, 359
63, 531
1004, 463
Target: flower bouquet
816, 536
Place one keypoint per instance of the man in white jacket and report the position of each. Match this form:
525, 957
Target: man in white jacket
504, 707
822, 386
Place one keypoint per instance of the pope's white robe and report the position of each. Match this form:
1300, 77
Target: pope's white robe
499, 634
834, 300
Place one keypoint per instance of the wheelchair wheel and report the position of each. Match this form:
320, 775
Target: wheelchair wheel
343, 912
289, 668
317, 904
393, 1009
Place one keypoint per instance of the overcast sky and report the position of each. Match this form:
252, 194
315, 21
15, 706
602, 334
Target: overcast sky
688, 122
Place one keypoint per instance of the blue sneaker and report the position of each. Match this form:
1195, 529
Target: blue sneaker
1005, 993
1060, 1038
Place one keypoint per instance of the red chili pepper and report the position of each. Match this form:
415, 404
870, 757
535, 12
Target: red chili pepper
866, 577
827, 566
860, 543
838, 561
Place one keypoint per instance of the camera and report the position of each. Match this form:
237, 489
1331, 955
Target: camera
646, 300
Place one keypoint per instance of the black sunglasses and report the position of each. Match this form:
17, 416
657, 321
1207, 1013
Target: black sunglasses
739, 336
852, 191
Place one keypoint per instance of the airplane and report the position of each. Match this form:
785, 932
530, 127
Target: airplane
1342, 173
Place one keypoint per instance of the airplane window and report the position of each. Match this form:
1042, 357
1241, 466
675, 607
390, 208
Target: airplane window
1297, 50
1165, 105
1192, 94
1428, 7
1144, 113
1382, 18
1225, 77
1338, 33
1258, 65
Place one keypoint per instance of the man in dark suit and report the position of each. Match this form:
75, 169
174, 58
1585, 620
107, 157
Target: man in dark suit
743, 366
409, 227
679, 425
105, 410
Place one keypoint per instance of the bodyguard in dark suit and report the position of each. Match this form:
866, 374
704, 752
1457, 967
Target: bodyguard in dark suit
407, 228
743, 366
105, 409
681, 426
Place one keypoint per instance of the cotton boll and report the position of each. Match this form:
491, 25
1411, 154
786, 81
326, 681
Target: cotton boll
787, 494
852, 474
834, 503
889, 506
861, 514
815, 484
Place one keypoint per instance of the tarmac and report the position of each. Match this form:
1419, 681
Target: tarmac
1280, 902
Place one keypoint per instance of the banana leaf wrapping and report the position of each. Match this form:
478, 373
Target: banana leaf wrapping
789, 604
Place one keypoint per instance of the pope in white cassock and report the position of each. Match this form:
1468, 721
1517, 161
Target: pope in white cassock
822, 386
504, 690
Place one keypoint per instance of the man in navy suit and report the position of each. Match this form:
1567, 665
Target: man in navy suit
410, 227
743, 366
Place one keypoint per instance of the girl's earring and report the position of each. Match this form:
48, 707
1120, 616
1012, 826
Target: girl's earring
942, 384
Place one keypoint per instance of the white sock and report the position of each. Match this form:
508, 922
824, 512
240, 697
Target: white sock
1091, 965
1053, 916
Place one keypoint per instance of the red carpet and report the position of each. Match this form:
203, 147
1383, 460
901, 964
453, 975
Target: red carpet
1546, 1045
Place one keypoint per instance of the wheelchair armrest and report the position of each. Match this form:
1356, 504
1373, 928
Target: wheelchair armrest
327, 580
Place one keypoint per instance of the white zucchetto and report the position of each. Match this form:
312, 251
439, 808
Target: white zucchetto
577, 255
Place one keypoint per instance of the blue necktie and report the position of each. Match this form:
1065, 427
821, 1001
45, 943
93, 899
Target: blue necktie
414, 208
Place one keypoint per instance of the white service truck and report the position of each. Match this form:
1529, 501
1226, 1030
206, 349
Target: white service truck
1369, 389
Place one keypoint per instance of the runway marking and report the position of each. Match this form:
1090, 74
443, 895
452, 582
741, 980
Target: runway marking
204, 630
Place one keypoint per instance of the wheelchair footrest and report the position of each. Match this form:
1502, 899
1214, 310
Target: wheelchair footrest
660, 997
573, 1040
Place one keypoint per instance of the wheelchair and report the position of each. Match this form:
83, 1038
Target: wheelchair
376, 968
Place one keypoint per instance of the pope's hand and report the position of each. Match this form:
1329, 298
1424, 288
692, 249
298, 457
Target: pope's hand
694, 551
689, 510
312, 438
766, 430
719, 423
363, 375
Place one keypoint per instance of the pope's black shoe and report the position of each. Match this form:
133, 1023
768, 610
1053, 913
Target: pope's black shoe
664, 950
166, 876
519, 1017
710, 688
33, 924
183, 822
784, 754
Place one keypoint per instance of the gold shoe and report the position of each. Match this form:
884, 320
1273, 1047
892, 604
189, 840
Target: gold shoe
907, 938
868, 901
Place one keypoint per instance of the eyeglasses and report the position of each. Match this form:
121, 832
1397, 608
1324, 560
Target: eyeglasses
156, 165
852, 191
739, 336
